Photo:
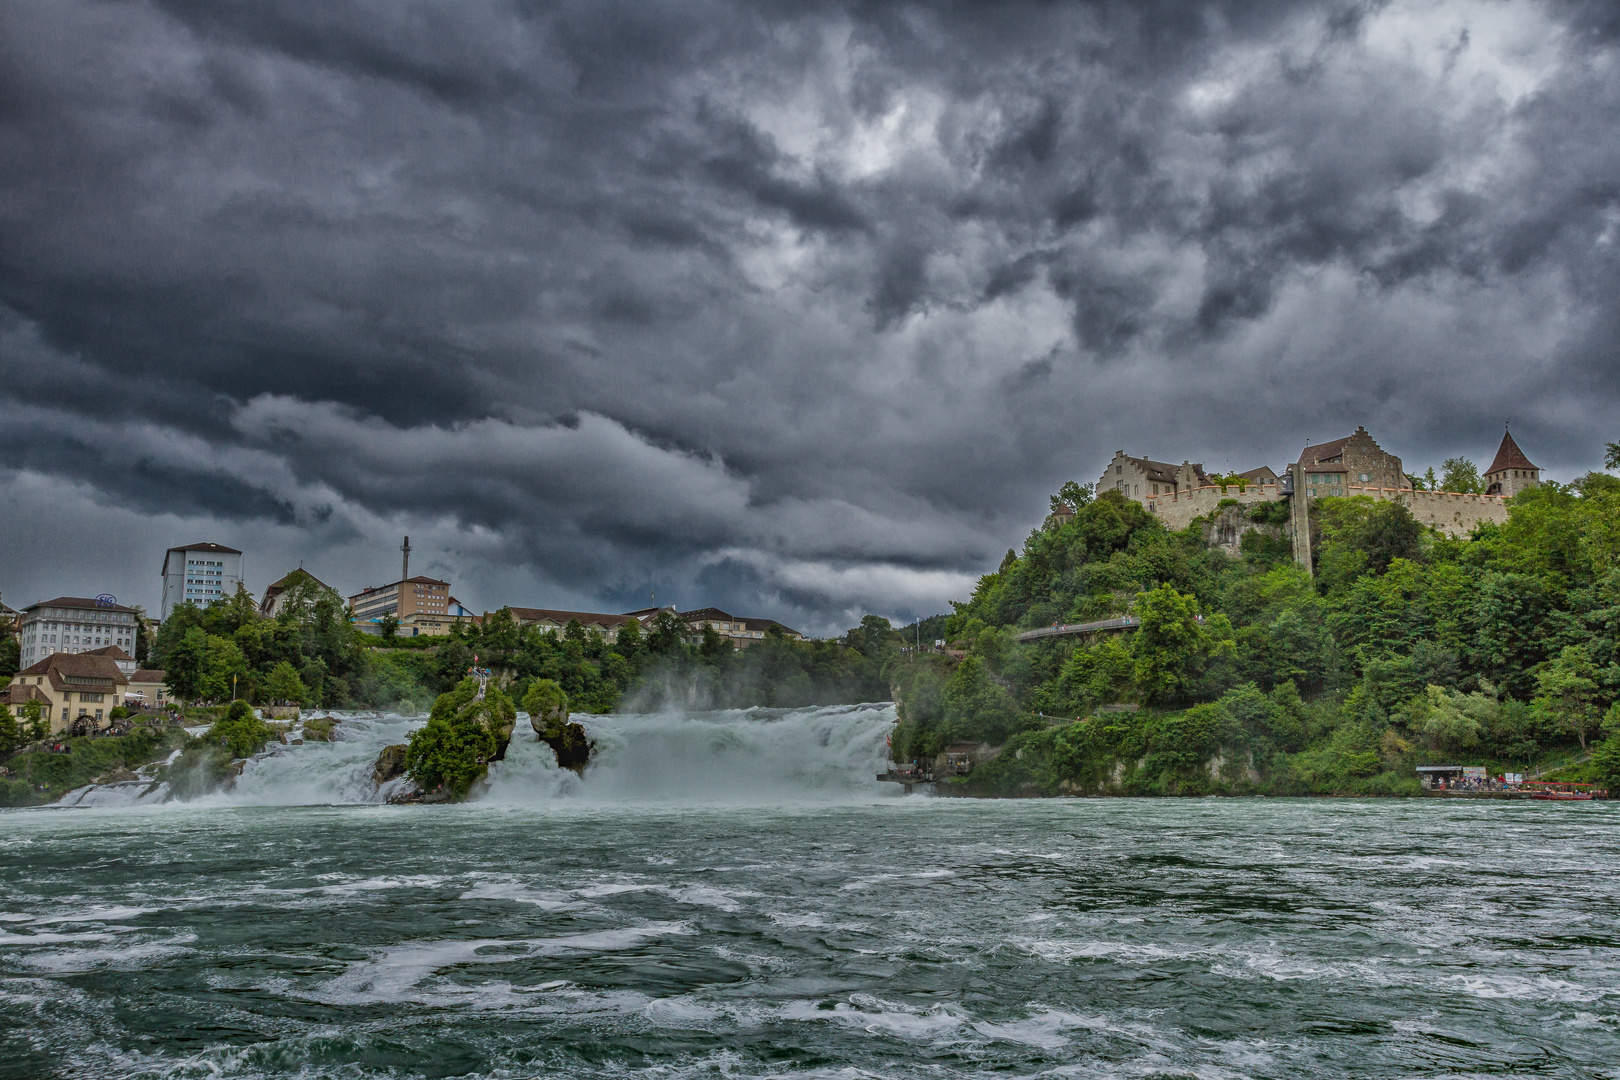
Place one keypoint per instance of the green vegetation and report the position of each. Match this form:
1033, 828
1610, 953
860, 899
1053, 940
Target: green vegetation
664, 666
40, 775
1249, 675
210, 760
1459, 475
309, 654
452, 751
240, 731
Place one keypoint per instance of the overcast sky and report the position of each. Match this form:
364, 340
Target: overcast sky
799, 310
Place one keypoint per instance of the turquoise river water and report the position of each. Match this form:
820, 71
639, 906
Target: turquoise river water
731, 895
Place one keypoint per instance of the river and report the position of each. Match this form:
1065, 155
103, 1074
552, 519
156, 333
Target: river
730, 895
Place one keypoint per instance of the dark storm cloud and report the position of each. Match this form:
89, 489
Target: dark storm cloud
804, 308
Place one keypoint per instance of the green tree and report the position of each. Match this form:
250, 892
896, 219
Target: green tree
1073, 495
225, 673
36, 724
184, 659
11, 733
872, 638
668, 637
1611, 455
1567, 691
240, 731
975, 708
388, 625
1172, 643
1460, 475
284, 684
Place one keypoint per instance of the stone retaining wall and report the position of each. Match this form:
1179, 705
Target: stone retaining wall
1451, 512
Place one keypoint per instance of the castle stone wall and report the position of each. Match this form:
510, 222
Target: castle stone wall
1449, 511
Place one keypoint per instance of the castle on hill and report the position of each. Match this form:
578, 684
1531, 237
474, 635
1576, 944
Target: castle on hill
1353, 465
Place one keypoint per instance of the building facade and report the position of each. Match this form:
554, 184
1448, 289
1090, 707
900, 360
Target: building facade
74, 624
1510, 472
146, 689
1352, 466
1355, 461
595, 623
199, 573
423, 606
739, 630
78, 691
125, 662
1140, 479
275, 593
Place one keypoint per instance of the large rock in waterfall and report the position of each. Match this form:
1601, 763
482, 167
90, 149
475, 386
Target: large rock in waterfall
468, 728
390, 764
547, 707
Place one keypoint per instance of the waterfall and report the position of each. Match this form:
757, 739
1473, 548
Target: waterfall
772, 756
750, 756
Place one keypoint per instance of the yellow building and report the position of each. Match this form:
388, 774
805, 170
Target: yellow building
77, 690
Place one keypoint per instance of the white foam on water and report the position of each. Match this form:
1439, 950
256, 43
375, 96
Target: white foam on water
876, 1016
394, 974
136, 956
522, 894
769, 757
772, 757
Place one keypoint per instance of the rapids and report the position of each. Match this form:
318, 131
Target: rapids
731, 895
821, 754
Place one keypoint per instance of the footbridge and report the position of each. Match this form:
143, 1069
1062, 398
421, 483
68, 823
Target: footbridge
1124, 623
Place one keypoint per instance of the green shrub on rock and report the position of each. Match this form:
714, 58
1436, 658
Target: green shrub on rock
240, 731
452, 751
547, 707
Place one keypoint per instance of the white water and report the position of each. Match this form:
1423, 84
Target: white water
747, 756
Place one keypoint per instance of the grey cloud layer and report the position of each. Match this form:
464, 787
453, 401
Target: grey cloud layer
801, 307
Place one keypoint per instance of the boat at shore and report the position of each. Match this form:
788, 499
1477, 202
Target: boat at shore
1555, 791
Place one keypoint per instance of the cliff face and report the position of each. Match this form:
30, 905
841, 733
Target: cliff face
1226, 529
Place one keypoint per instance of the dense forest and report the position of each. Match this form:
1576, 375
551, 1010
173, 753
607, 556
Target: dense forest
1249, 674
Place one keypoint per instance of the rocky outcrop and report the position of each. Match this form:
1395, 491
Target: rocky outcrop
547, 707
319, 728
390, 764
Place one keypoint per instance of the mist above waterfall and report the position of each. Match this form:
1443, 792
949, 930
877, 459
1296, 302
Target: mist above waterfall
819, 754
767, 756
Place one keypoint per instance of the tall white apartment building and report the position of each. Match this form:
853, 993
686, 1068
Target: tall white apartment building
75, 624
201, 573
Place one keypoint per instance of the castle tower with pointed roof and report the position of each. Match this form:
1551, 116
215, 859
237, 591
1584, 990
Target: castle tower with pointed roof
1511, 472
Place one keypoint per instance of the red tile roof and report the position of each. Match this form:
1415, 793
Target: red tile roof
1509, 456
71, 671
1311, 455
562, 618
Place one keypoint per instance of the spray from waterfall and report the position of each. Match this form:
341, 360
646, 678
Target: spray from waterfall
749, 756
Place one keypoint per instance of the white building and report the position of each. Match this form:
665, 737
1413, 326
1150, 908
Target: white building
74, 624
201, 573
